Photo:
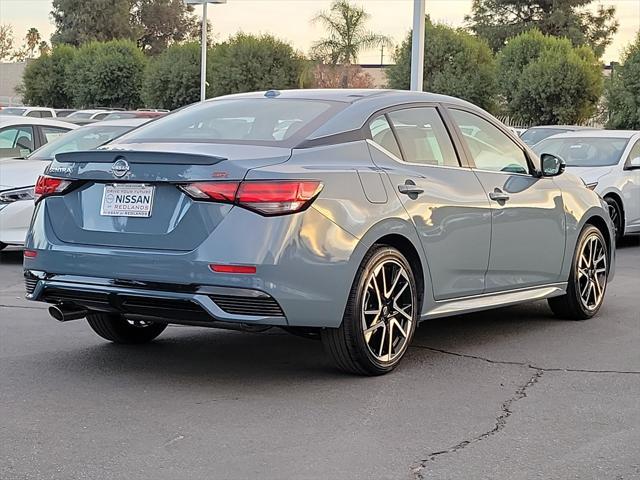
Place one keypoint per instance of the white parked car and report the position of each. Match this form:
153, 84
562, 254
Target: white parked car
608, 161
35, 112
18, 176
19, 136
93, 114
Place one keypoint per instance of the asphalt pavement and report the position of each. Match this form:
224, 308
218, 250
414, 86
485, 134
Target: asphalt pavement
506, 394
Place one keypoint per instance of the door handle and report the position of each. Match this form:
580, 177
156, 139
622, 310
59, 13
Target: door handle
409, 189
498, 195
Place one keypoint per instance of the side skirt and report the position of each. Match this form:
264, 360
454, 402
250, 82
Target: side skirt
488, 301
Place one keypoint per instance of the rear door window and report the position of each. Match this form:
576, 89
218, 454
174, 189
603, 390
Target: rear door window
382, 135
423, 137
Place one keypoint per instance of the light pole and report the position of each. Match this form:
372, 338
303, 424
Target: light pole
417, 45
203, 60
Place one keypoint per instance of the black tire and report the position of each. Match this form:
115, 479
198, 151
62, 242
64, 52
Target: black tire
3, 246
617, 216
571, 305
346, 345
118, 329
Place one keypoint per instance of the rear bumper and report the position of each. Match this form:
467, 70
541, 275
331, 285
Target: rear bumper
170, 303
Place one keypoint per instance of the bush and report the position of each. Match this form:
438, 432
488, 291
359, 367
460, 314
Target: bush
338, 76
107, 74
455, 63
172, 79
547, 81
247, 63
623, 91
44, 79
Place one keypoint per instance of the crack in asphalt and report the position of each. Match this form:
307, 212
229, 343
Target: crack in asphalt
501, 420
525, 364
500, 423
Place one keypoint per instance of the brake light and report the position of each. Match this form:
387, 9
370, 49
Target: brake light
30, 253
49, 186
268, 197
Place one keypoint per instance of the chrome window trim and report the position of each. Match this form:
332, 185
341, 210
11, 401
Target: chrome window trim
402, 162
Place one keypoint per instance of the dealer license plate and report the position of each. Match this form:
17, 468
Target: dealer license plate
127, 200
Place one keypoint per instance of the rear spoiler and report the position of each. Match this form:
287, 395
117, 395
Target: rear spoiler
132, 156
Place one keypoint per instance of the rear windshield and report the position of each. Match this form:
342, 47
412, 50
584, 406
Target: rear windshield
81, 115
258, 121
585, 152
534, 135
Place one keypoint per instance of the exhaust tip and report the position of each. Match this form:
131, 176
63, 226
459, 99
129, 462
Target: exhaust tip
64, 313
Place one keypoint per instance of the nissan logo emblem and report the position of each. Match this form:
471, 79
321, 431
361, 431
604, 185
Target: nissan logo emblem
120, 168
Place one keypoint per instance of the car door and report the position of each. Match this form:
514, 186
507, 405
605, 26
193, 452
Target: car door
631, 189
528, 219
443, 198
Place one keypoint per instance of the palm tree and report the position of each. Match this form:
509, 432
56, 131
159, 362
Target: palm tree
345, 24
33, 39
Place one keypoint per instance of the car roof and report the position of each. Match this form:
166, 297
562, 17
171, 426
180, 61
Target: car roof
19, 120
598, 134
121, 122
362, 103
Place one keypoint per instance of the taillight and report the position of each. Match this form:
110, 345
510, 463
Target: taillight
267, 197
49, 186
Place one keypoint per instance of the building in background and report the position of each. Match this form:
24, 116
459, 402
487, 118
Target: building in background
10, 78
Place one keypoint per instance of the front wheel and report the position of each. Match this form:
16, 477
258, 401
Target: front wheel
118, 329
380, 318
615, 212
588, 279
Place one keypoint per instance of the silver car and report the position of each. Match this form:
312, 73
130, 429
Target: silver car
349, 215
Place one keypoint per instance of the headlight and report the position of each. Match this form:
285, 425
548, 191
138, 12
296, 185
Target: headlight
17, 194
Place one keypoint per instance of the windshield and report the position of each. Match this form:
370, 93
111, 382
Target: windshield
534, 135
249, 120
81, 115
13, 111
120, 115
584, 152
86, 138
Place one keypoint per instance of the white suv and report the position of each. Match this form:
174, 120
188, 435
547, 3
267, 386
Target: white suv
36, 112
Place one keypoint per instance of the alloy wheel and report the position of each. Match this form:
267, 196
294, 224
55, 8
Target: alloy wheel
387, 311
592, 272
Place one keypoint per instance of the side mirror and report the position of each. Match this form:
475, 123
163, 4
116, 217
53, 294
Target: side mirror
634, 164
552, 165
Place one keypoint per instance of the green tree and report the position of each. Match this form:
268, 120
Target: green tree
44, 79
623, 91
80, 21
108, 74
172, 79
499, 20
6, 42
455, 63
346, 25
163, 22
546, 80
33, 39
247, 62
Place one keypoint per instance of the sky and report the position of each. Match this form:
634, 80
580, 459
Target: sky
290, 20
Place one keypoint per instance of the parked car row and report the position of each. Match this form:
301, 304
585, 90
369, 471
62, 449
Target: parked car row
18, 175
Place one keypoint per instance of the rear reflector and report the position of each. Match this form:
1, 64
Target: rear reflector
49, 186
269, 197
30, 254
245, 269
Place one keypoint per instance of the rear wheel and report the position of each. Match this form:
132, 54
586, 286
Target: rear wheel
588, 279
117, 329
380, 318
615, 212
